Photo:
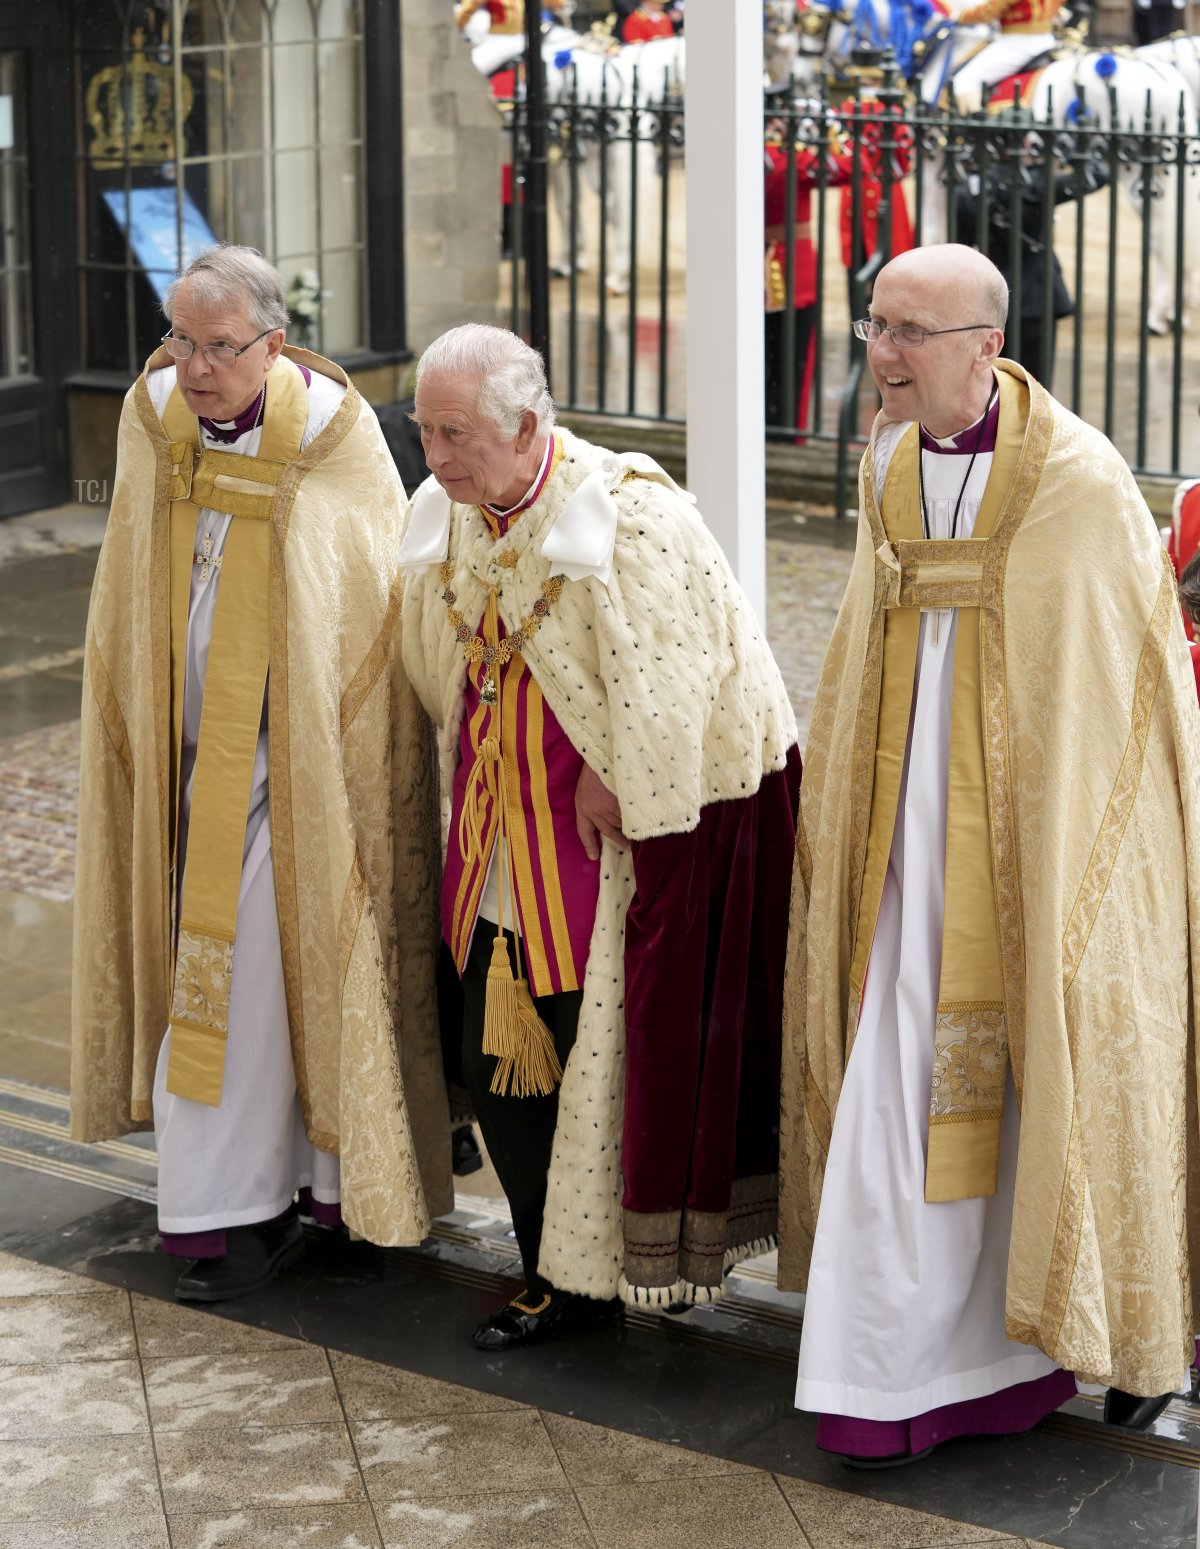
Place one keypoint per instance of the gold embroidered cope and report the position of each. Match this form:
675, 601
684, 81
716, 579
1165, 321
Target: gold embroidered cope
1084, 961
352, 797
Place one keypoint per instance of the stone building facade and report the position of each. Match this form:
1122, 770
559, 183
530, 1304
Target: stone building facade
351, 141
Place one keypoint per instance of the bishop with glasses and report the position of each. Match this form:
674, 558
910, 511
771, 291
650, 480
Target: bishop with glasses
991, 969
256, 889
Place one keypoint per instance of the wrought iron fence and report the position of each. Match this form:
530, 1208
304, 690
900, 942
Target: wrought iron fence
1093, 217
616, 187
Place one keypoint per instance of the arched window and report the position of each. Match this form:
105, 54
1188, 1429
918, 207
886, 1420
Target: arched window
220, 120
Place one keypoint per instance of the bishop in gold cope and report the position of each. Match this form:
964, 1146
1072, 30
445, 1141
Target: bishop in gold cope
257, 870
992, 973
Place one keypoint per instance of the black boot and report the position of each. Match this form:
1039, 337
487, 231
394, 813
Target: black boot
1130, 1412
253, 1256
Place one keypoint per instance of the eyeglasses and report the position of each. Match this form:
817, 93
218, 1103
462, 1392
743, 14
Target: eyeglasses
907, 336
214, 354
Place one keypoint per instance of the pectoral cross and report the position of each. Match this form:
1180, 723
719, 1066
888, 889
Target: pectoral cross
206, 559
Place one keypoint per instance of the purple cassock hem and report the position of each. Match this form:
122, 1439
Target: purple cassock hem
212, 1245
195, 1245
1014, 1409
322, 1214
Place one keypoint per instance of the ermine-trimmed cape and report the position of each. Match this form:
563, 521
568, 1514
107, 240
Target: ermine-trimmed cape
1092, 749
353, 818
657, 670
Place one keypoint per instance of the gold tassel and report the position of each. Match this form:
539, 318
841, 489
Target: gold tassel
533, 1068
501, 1026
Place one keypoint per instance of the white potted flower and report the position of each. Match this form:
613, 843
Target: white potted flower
303, 301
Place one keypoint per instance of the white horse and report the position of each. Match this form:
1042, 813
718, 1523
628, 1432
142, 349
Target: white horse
1082, 88
596, 81
492, 51
625, 87
1182, 51
1136, 95
1097, 89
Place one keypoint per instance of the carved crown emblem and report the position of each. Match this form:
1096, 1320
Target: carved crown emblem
131, 109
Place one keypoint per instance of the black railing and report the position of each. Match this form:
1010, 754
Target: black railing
1096, 224
616, 304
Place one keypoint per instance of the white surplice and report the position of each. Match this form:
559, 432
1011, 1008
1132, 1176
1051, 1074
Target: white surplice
243, 1161
905, 1304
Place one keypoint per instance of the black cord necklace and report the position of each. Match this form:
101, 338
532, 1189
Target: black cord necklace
962, 489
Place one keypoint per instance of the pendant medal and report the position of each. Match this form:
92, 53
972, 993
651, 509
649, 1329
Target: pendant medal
487, 689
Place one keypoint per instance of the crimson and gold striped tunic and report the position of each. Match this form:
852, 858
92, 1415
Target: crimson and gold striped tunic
556, 884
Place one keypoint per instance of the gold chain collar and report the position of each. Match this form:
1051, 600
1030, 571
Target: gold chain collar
475, 648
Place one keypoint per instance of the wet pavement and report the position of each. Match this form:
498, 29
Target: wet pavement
46, 566
344, 1405
130, 1422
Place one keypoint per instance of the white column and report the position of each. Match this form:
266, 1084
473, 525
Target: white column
725, 401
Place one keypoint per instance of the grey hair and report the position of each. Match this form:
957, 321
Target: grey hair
228, 275
511, 375
994, 296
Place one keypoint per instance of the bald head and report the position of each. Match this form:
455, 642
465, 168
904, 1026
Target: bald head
959, 301
953, 271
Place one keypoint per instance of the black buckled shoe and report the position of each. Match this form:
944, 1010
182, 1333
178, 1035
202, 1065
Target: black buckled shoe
253, 1256
1130, 1412
528, 1319
465, 1151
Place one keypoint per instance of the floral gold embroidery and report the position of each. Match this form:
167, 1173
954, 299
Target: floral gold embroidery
971, 1060
203, 971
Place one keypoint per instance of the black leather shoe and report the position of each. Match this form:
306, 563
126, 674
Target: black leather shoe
1130, 1412
893, 1460
253, 1256
528, 1320
465, 1151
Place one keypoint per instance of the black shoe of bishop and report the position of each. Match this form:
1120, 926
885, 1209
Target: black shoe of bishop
1130, 1412
253, 1256
529, 1319
893, 1459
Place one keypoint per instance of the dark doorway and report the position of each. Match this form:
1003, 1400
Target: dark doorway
36, 271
